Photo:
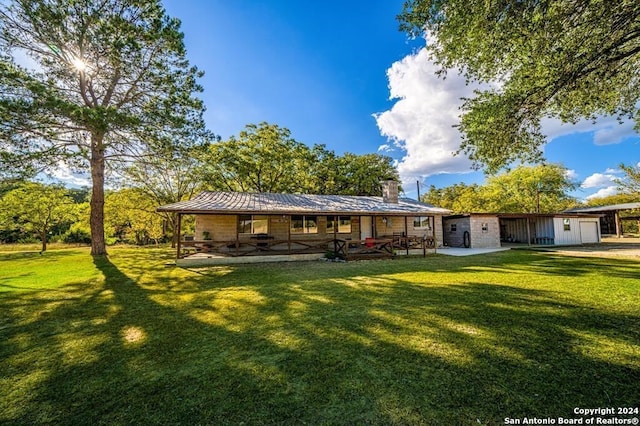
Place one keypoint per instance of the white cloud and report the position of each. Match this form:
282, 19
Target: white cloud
421, 121
599, 180
571, 174
64, 174
606, 130
604, 192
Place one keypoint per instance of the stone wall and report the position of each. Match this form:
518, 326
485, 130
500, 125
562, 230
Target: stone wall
485, 231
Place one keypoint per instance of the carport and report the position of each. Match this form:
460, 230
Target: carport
548, 229
611, 222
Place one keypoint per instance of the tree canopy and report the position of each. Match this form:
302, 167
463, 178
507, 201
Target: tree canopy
37, 208
167, 174
130, 215
568, 59
630, 182
525, 189
529, 189
459, 198
109, 77
265, 158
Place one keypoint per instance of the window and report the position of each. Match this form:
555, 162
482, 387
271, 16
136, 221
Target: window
253, 224
422, 222
454, 227
485, 227
566, 224
344, 224
304, 224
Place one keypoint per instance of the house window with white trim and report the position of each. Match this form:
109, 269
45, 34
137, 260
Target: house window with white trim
304, 224
253, 224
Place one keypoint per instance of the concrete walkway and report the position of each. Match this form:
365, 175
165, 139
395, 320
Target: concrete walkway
458, 251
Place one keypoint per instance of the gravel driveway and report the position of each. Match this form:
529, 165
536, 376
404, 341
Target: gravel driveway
610, 247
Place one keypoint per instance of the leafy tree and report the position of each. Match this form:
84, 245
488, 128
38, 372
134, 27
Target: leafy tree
362, 174
168, 175
111, 76
525, 189
34, 207
7, 185
130, 216
568, 59
529, 189
323, 171
79, 195
263, 158
459, 198
611, 199
630, 183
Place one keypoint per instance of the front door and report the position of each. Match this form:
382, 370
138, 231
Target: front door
366, 227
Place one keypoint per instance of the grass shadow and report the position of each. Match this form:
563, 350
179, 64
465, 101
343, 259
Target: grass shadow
395, 342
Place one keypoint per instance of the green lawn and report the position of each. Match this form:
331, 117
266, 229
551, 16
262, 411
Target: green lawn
441, 340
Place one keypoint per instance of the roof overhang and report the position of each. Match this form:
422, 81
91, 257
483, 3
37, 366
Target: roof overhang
234, 203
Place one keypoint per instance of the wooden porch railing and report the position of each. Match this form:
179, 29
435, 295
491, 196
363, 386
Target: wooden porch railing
367, 248
413, 242
255, 246
345, 249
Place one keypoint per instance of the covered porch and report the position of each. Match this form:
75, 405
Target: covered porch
268, 238
250, 227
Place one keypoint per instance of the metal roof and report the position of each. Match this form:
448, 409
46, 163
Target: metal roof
609, 208
269, 203
524, 215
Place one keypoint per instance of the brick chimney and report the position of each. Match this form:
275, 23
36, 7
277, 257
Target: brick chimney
389, 191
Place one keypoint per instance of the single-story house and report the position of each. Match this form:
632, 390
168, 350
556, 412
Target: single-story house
301, 226
610, 218
493, 230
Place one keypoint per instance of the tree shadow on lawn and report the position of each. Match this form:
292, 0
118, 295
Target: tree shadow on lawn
542, 263
48, 256
381, 350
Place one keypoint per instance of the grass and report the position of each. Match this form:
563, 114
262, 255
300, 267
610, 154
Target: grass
440, 340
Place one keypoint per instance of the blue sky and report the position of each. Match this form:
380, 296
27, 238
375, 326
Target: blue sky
342, 74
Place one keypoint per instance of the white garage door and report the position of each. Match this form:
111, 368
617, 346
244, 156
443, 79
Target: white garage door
589, 232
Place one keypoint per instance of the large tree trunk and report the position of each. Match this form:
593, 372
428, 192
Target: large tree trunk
98, 245
43, 237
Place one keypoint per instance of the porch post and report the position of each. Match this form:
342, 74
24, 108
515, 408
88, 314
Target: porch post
528, 231
178, 230
406, 234
335, 236
618, 224
374, 228
238, 234
289, 234
433, 231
